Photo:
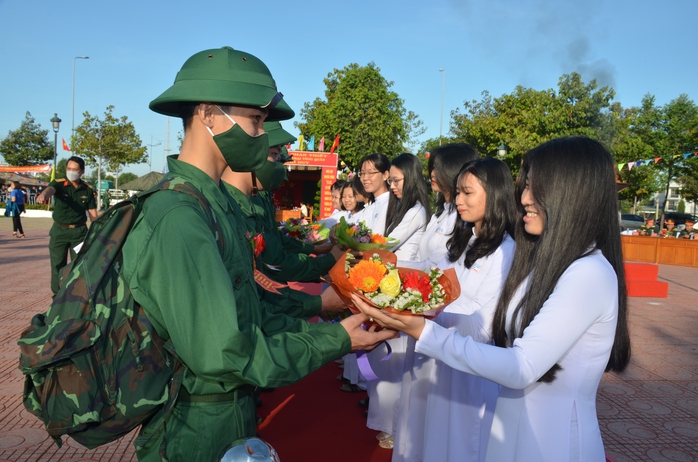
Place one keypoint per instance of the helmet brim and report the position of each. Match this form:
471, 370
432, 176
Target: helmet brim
246, 94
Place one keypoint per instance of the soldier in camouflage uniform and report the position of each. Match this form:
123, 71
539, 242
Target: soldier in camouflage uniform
75, 199
202, 295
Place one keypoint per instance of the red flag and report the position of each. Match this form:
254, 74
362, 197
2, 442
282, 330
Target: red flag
334, 145
65, 145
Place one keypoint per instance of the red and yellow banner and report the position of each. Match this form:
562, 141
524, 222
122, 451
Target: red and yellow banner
329, 176
312, 158
25, 169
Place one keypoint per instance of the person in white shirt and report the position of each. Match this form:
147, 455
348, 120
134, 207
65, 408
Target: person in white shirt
338, 212
434, 397
443, 166
374, 170
354, 198
407, 220
561, 320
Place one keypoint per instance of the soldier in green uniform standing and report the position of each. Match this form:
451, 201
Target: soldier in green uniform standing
198, 290
106, 198
75, 199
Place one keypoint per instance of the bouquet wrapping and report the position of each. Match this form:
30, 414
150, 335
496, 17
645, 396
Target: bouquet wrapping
302, 230
359, 237
405, 291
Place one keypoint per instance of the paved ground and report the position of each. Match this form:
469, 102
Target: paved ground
649, 413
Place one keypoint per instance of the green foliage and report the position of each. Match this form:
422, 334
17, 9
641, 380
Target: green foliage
93, 176
316, 201
527, 117
689, 185
369, 117
668, 132
28, 145
112, 139
681, 207
60, 168
60, 171
126, 177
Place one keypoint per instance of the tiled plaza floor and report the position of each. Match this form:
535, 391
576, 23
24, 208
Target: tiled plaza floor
649, 413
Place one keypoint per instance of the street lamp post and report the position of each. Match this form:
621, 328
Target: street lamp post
501, 149
150, 155
56, 122
443, 87
72, 124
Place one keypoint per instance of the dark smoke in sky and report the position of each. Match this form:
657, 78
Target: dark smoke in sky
551, 31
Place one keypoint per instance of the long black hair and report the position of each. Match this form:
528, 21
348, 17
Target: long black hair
414, 190
500, 211
358, 187
573, 185
447, 160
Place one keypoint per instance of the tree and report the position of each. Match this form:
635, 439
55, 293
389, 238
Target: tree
689, 189
126, 177
28, 145
617, 134
670, 131
109, 140
526, 118
360, 106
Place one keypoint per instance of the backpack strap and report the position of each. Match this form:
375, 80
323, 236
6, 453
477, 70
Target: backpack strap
187, 188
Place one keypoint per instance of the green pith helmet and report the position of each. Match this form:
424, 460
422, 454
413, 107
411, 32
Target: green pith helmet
224, 76
283, 155
277, 135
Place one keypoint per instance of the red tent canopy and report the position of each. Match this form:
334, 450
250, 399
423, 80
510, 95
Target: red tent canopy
46, 168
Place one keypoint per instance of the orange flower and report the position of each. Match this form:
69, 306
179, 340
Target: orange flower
367, 275
378, 239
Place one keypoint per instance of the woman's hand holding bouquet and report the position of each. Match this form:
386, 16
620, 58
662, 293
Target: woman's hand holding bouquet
405, 291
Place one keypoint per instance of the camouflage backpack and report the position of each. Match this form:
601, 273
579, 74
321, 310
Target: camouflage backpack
95, 367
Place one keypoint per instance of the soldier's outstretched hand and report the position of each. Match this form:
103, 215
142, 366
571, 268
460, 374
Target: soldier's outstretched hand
362, 339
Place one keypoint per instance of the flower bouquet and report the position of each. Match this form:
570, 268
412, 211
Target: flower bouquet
404, 291
359, 237
300, 229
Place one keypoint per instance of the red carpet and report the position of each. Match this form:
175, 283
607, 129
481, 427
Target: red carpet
641, 281
314, 420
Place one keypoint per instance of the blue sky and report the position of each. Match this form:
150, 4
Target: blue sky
137, 47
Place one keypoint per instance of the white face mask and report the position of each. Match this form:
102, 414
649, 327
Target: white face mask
72, 176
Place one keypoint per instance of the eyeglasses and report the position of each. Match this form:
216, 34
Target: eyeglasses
394, 181
363, 174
